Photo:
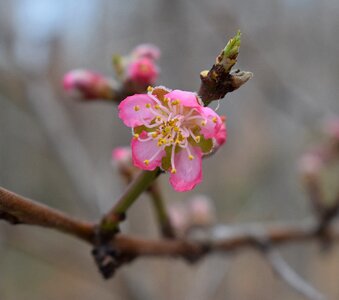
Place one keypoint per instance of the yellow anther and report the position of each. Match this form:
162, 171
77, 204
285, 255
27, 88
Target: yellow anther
157, 106
215, 119
191, 157
155, 134
175, 102
173, 171
148, 105
197, 138
146, 162
203, 123
158, 118
176, 129
149, 89
136, 136
137, 108
166, 99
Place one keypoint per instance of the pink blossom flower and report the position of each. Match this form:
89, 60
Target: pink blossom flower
172, 130
122, 155
201, 210
142, 71
147, 50
332, 127
85, 84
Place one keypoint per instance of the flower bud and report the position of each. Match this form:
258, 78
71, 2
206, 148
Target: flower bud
201, 211
332, 128
142, 71
178, 217
147, 50
310, 165
122, 156
88, 85
122, 160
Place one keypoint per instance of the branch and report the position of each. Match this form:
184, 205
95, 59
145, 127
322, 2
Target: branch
219, 80
16, 209
110, 222
160, 211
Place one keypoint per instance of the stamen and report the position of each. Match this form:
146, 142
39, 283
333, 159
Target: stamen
190, 156
148, 105
149, 89
215, 119
195, 137
203, 123
136, 107
146, 162
165, 109
173, 171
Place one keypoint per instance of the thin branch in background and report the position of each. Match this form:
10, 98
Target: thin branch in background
161, 211
287, 274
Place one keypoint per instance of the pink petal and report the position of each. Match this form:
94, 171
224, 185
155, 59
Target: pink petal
213, 123
147, 50
142, 151
143, 70
188, 172
133, 110
221, 135
187, 99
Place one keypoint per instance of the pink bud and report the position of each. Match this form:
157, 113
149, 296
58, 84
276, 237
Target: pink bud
201, 211
332, 127
142, 71
122, 155
310, 164
86, 85
147, 50
178, 217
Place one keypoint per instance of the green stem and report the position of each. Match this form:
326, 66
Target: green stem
110, 222
161, 212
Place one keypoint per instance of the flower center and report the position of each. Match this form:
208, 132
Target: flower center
172, 126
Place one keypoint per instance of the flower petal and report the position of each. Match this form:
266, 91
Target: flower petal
221, 134
187, 99
213, 123
133, 111
188, 172
143, 151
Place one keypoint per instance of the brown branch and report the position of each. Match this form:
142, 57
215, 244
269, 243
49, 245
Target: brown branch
220, 80
19, 210
219, 238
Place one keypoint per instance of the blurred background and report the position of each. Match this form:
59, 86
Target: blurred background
57, 151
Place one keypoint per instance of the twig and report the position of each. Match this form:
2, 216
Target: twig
219, 80
219, 238
285, 272
110, 222
160, 211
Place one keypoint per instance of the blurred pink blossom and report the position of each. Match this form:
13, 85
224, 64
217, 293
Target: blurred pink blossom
87, 85
143, 71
